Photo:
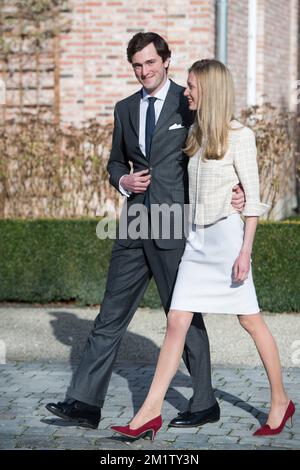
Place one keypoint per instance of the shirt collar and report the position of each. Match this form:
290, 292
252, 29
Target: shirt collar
160, 95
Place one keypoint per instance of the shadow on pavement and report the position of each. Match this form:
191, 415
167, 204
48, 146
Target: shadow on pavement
73, 332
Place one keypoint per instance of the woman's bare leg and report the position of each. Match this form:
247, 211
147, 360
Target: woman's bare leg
178, 323
268, 351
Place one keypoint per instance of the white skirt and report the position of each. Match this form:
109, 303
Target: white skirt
204, 281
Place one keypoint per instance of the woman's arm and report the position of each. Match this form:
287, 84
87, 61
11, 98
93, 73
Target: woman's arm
241, 266
247, 170
245, 162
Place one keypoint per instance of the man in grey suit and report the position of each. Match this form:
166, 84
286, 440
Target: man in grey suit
150, 130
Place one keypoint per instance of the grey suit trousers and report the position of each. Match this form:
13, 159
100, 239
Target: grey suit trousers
130, 271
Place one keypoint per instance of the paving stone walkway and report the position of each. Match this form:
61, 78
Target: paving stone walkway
242, 392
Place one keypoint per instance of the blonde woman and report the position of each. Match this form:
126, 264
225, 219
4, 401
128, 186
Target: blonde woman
215, 271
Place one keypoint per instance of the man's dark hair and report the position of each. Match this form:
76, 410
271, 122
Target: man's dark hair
141, 40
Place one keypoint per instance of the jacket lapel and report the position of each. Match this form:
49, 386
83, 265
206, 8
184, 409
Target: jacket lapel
134, 118
170, 105
134, 112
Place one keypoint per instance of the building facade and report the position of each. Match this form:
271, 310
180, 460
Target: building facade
80, 73
67, 61
261, 52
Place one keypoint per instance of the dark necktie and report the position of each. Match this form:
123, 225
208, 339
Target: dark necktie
150, 124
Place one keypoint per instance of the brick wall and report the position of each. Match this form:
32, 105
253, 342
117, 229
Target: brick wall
94, 70
92, 73
294, 51
238, 48
277, 57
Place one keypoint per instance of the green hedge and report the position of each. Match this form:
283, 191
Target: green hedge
59, 260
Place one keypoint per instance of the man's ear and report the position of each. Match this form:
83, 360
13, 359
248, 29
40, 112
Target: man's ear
167, 63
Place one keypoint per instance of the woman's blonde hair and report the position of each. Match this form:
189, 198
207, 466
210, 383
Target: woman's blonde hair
215, 109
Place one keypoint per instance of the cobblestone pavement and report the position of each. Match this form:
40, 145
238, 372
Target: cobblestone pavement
25, 388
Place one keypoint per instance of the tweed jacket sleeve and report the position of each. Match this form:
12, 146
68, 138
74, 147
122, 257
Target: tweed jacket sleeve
245, 162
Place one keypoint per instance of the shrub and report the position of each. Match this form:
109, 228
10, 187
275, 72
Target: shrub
61, 260
54, 172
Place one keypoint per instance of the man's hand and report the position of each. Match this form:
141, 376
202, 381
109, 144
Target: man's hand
238, 198
136, 182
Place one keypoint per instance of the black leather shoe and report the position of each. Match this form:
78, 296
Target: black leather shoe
85, 415
190, 420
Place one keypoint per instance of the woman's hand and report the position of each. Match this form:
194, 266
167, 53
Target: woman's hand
238, 198
241, 267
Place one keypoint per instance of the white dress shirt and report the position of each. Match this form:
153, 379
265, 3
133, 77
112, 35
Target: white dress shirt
160, 99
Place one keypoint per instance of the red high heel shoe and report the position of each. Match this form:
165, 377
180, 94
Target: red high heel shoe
152, 426
265, 430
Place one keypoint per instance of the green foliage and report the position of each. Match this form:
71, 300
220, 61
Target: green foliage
50, 260
276, 261
61, 260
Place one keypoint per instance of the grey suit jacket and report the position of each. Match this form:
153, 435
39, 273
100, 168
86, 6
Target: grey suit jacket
167, 163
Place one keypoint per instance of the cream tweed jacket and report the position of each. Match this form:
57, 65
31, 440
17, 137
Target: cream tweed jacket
211, 181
